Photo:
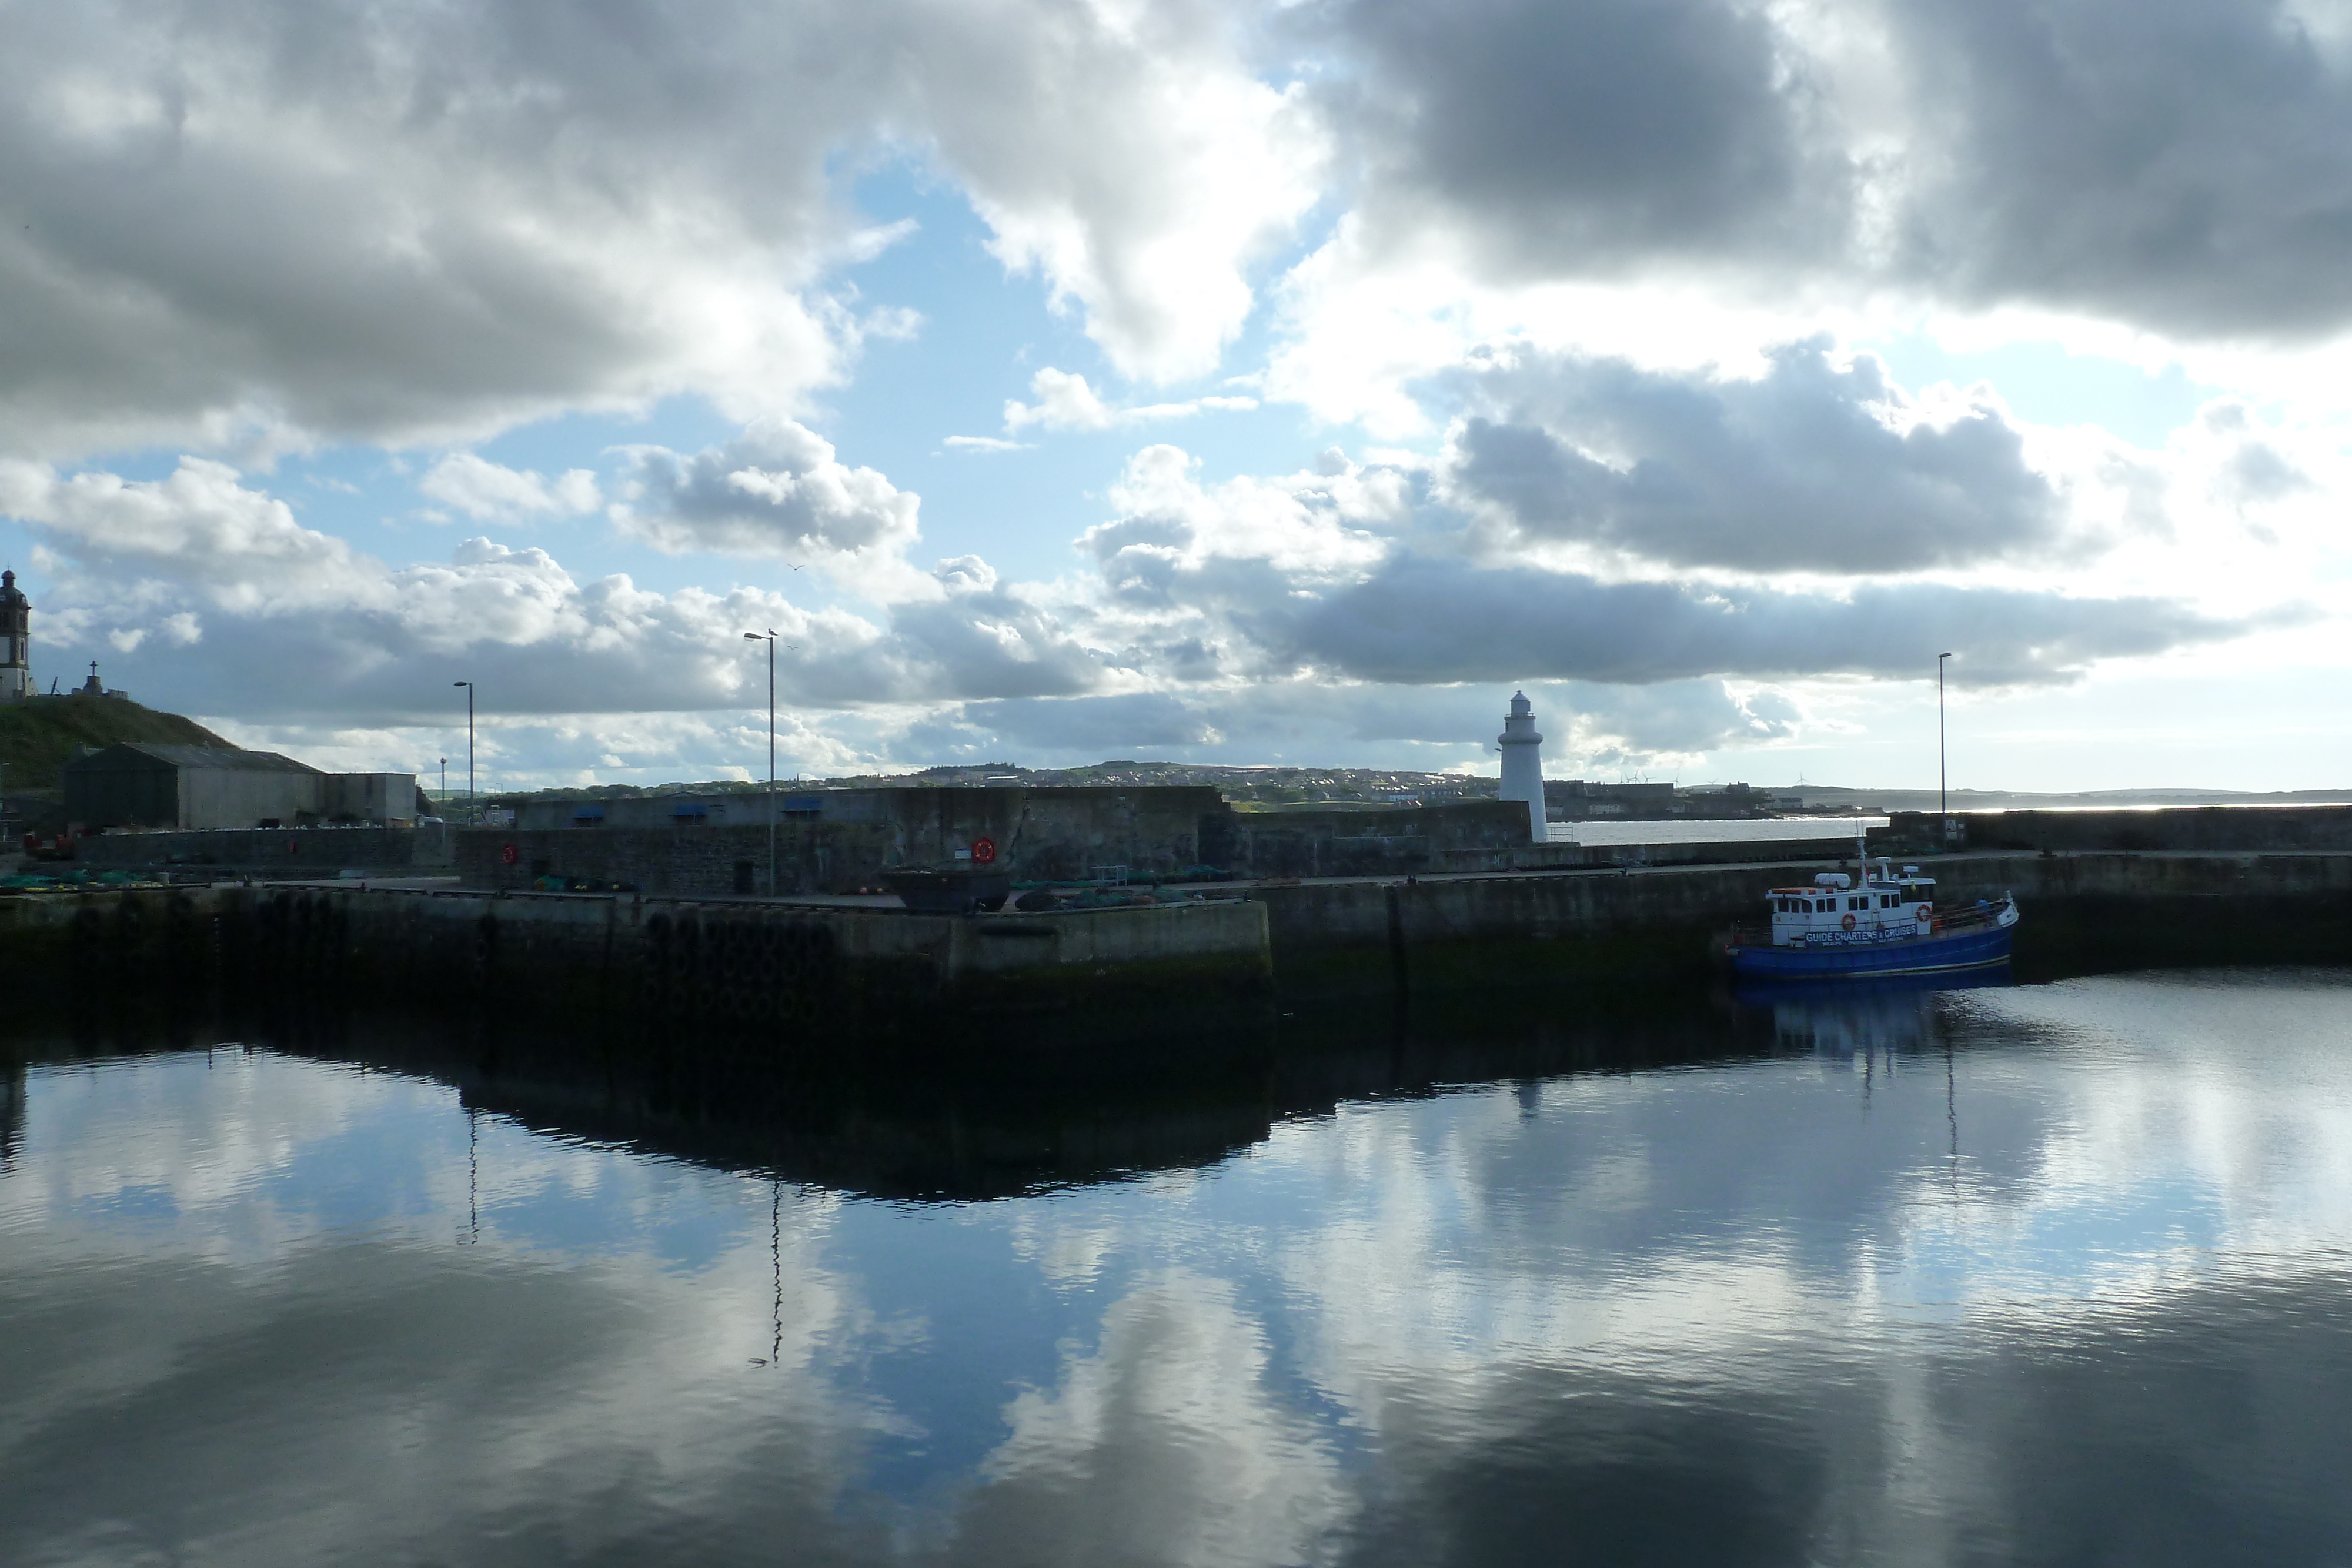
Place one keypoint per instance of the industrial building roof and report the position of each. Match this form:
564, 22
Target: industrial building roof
202, 756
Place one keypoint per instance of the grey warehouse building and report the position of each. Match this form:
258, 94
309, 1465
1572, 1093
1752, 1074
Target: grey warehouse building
138, 785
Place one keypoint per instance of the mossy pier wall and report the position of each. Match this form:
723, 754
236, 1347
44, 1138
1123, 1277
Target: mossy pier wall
824, 977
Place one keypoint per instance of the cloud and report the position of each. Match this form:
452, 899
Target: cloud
1587, 139
1809, 467
1336, 723
198, 525
1423, 619
297, 622
775, 491
1261, 616
397, 227
2180, 164
278, 222
486, 492
309, 222
1065, 402
1135, 156
1175, 1405
1684, 182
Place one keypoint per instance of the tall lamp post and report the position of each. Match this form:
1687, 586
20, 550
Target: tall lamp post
473, 809
769, 637
1942, 779
445, 784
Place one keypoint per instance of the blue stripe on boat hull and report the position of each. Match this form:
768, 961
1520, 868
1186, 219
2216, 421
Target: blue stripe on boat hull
1921, 956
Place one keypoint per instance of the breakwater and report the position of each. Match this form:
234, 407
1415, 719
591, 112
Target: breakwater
820, 976
2234, 829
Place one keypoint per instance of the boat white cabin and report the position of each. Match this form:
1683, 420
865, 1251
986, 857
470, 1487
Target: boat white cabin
1887, 907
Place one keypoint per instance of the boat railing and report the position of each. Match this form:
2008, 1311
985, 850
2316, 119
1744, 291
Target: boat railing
1962, 917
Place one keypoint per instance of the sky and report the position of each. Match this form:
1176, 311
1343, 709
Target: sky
1267, 383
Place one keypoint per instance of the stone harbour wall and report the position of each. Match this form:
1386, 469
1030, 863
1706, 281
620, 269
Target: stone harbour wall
2234, 829
326, 850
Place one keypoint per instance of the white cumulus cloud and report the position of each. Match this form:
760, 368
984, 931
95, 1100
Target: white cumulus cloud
488, 492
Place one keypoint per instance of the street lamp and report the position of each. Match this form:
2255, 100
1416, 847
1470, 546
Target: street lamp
769, 637
443, 797
473, 810
1943, 782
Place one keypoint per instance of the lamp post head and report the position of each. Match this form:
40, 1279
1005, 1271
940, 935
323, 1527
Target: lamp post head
751, 636
461, 683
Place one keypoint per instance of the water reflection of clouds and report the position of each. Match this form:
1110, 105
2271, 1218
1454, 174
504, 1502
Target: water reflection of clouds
1826, 1301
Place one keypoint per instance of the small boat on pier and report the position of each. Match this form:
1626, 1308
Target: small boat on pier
1888, 925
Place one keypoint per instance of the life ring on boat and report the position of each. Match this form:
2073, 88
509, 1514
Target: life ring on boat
1849, 923
1925, 914
508, 854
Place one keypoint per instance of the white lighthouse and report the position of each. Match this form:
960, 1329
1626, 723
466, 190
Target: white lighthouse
1523, 763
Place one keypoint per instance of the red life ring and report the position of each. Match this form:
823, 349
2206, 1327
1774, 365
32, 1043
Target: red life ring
1925, 914
510, 854
983, 851
1849, 923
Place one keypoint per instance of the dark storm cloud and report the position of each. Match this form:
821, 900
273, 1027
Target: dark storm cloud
2186, 165
1423, 620
1797, 470
1576, 135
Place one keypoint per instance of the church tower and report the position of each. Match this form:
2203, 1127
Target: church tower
1522, 750
16, 640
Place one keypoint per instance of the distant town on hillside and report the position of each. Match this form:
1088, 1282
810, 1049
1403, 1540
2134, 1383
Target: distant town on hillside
1279, 789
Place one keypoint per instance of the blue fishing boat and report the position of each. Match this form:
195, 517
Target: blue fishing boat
1888, 924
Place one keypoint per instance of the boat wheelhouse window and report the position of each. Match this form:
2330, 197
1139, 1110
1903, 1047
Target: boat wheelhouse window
1857, 904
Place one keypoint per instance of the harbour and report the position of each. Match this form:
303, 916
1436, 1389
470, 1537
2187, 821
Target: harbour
1174, 784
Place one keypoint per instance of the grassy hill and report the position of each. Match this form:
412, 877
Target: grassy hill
37, 736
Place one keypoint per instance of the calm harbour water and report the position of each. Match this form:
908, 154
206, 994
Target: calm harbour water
2050, 1274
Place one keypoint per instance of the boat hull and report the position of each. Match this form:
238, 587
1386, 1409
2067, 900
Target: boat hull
1974, 949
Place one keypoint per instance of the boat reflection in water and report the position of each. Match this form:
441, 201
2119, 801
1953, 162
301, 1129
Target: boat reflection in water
1893, 1013
1701, 1286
